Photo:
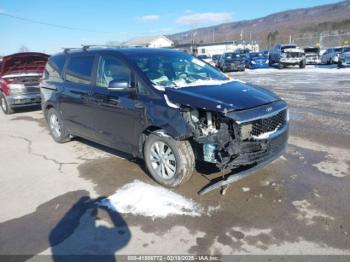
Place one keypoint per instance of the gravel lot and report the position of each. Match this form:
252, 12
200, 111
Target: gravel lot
297, 205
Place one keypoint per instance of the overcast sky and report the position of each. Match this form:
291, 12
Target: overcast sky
47, 25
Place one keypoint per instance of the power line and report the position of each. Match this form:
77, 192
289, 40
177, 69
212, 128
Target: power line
49, 24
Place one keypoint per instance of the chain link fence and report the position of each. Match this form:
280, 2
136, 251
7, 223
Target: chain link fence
323, 41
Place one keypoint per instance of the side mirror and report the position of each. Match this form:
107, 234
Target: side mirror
118, 85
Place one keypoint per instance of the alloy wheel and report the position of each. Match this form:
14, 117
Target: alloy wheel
163, 160
55, 125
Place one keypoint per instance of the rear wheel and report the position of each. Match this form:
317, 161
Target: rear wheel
57, 129
6, 108
169, 162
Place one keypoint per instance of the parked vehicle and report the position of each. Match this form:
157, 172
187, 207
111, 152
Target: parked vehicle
258, 60
215, 59
205, 58
344, 57
19, 80
266, 52
312, 55
232, 62
287, 55
331, 56
245, 54
164, 106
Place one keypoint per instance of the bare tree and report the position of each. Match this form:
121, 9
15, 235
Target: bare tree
23, 49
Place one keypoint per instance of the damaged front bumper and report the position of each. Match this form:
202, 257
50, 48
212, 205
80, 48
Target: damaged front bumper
246, 141
22, 100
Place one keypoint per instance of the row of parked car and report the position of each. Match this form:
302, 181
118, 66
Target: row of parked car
281, 56
161, 105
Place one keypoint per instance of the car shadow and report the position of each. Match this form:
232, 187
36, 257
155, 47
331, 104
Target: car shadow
102, 234
204, 168
73, 226
114, 152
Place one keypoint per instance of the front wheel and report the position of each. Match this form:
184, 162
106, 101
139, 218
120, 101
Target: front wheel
6, 108
169, 162
302, 64
57, 129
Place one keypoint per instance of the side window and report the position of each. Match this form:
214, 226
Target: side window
141, 88
111, 68
79, 69
54, 67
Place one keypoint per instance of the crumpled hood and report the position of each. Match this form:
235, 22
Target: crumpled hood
234, 95
28, 62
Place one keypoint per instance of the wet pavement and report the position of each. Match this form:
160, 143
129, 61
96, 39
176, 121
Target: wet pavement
297, 205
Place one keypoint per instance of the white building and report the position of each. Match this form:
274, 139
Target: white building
150, 41
223, 47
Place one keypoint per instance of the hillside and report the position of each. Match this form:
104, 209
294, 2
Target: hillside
299, 23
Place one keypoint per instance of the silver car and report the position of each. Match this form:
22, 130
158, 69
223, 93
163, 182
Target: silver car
331, 56
344, 57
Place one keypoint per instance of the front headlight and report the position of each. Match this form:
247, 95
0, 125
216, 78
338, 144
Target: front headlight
253, 62
16, 88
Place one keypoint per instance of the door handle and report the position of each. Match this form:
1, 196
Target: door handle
139, 105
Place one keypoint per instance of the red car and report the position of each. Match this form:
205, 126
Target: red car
20, 75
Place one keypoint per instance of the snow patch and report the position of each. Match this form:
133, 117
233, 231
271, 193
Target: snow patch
139, 198
307, 213
245, 189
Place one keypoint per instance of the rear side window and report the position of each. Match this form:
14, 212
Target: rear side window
79, 69
54, 67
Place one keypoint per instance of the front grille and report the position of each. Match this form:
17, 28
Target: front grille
272, 123
25, 90
264, 125
293, 54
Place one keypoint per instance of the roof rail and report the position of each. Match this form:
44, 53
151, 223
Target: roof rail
86, 47
66, 49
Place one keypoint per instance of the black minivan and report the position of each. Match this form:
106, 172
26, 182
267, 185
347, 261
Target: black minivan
164, 106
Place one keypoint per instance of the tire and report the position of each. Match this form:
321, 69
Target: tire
56, 126
270, 61
302, 64
339, 65
280, 66
6, 108
177, 169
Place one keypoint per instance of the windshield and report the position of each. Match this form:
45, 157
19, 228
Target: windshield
288, 47
311, 50
346, 49
258, 54
232, 55
177, 70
